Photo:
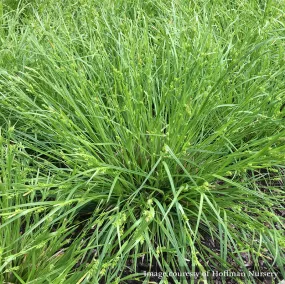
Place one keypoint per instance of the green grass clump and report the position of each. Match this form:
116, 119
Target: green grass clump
141, 131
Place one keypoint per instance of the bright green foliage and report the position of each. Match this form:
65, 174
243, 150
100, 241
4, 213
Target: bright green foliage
137, 129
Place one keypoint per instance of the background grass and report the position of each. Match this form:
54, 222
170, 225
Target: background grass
141, 131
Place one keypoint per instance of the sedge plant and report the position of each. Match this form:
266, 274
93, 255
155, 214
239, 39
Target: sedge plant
139, 137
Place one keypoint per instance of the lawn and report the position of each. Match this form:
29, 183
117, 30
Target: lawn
142, 141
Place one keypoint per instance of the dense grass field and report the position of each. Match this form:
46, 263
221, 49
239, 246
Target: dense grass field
142, 141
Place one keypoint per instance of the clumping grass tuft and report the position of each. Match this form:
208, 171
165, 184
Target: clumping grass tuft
141, 136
